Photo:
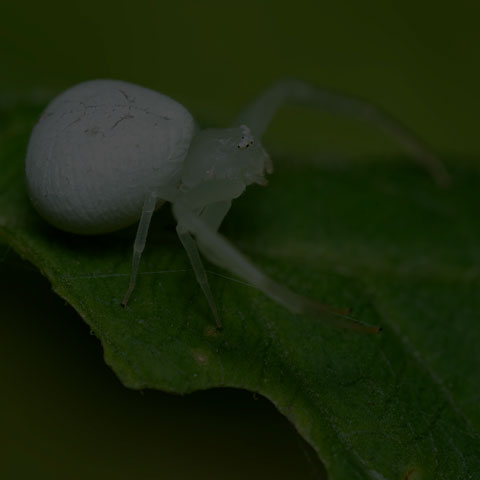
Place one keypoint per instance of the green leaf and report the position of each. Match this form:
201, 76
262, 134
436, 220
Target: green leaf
376, 236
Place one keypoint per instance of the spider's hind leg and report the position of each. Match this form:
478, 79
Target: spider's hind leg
140, 239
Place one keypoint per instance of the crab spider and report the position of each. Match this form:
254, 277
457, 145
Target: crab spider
107, 153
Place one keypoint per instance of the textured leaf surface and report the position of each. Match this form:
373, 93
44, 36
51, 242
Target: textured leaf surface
374, 236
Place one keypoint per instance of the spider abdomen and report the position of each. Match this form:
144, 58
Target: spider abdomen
98, 148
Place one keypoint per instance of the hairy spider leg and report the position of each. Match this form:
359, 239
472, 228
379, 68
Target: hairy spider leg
219, 251
258, 114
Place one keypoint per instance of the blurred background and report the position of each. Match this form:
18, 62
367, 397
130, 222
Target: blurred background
63, 413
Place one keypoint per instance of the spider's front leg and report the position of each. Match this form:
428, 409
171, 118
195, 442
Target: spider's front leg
190, 246
220, 164
220, 252
212, 216
258, 114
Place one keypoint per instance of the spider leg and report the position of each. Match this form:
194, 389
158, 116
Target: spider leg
213, 216
258, 114
140, 239
190, 246
214, 213
218, 250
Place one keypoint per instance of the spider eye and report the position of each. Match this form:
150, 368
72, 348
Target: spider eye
245, 143
246, 139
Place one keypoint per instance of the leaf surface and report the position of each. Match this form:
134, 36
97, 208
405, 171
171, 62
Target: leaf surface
376, 236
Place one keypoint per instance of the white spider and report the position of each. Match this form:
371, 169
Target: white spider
107, 153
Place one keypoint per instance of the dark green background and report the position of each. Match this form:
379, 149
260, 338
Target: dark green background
63, 413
